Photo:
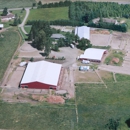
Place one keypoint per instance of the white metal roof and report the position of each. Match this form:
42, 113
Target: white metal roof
1, 25
93, 54
42, 71
83, 32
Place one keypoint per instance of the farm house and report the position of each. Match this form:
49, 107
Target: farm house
41, 75
83, 32
93, 54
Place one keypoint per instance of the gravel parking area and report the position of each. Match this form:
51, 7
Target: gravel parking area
67, 52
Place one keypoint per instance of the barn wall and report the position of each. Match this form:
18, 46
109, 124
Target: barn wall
90, 60
37, 85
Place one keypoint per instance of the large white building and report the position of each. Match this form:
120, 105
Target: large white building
83, 32
93, 54
41, 75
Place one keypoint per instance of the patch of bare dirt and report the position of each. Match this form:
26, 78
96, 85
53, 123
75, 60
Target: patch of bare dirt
115, 60
38, 98
99, 32
55, 100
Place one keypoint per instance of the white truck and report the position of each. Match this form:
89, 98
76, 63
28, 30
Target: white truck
85, 61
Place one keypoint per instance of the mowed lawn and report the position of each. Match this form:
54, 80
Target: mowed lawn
49, 14
38, 117
9, 41
15, 3
97, 104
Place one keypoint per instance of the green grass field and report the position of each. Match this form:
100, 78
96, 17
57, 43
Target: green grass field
27, 28
15, 3
49, 14
37, 117
97, 104
9, 41
24, 36
122, 77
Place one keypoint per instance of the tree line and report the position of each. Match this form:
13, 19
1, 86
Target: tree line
56, 4
61, 22
86, 11
122, 27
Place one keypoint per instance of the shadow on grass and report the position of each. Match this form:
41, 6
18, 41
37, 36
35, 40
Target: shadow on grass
128, 122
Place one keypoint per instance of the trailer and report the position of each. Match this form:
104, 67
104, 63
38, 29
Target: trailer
84, 68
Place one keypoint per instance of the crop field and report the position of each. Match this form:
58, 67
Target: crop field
97, 104
36, 117
9, 41
15, 3
49, 14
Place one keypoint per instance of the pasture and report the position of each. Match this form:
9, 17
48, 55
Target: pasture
9, 41
15, 3
49, 14
36, 117
97, 104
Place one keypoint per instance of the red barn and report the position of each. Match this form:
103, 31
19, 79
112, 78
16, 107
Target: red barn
41, 75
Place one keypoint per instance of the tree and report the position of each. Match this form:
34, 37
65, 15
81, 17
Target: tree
61, 42
39, 4
47, 47
15, 22
56, 48
39, 40
5, 12
84, 44
33, 4
19, 20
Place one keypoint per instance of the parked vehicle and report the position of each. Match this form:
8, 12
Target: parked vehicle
85, 61
84, 68
72, 46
